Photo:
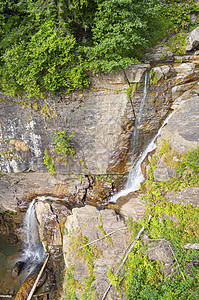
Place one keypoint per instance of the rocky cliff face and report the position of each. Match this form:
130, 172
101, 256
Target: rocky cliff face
101, 118
104, 120
178, 136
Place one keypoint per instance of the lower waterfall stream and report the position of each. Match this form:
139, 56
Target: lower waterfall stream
33, 252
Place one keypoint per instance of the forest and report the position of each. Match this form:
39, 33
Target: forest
52, 45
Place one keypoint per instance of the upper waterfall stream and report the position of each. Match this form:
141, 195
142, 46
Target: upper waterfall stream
135, 177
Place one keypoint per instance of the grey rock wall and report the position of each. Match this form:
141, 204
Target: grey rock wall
100, 117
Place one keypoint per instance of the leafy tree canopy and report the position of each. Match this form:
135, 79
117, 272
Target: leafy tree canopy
50, 44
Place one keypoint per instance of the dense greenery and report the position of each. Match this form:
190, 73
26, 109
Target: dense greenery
50, 44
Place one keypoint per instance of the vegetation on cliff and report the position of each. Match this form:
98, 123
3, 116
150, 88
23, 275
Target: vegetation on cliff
50, 45
175, 226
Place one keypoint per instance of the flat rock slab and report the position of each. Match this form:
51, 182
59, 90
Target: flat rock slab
186, 196
182, 129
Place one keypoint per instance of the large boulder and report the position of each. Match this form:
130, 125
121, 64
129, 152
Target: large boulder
93, 224
182, 129
192, 40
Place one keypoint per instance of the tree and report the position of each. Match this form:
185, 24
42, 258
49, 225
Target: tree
121, 29
49, 45
38, 49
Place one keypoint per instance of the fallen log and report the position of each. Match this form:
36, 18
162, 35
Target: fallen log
38, 277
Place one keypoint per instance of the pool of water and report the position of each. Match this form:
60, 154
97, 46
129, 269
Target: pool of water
8, 256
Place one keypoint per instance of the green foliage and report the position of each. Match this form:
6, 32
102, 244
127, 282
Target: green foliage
50, 45
170, 156
114, 278
62, 143
153, 78
88, 254
70, 284
177, 43
192, 160
153, 166
178, 14
134, 227
63, 146
130, 92
187, 173
142, 276
120, 30
48, 162
38, 52
104, 177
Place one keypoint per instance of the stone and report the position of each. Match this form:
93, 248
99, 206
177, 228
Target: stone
166, 70
157, 53
184, 70
186, 196
163, 172
182, 129
161, 251
19, 189
49, 228
102, 118
192, 40
178, 90
157, 72
186, 95
135, 72
88, 221
27, 285
131, 206
192, 246
17, 268
61, 211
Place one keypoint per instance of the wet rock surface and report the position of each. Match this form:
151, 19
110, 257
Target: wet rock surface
19, 189
103, 119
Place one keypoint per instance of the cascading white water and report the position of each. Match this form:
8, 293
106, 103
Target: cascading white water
135, 177
138, 120
33, 253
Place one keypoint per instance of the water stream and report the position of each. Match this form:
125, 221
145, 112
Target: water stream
135, 177
140, 113
33, 253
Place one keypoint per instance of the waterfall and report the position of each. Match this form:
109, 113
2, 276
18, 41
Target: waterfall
138, 120
33, 253
135, 177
